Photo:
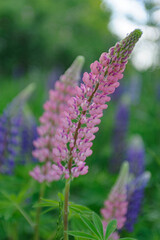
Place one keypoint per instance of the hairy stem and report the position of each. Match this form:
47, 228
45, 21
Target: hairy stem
38, 212
65, 213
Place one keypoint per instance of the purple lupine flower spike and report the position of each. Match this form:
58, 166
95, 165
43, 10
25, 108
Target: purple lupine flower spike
27, 136
20, 100
10, 131
119, 134
135, 188
3, 140
135, 87
135, 155
135, 192
9, 142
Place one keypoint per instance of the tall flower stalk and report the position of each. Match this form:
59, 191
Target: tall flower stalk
51, 118
68, 128
73, 139
65, 211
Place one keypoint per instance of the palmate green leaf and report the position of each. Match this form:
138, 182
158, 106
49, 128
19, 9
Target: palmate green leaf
77, 224
4, 204
81, 235
98, 224
24, 193
47, 203
90, 226
47, 210
12, 199
111, 227
80, 209
6, 209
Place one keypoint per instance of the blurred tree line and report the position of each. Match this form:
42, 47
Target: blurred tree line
38, 33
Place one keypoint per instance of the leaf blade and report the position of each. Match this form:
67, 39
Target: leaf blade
111, 227
82, 235
90, 225
98, 224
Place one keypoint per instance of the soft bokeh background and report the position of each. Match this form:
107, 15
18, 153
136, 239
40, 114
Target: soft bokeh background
38, 41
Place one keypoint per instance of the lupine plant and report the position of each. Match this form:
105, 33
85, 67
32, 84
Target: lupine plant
69, 124
9, 142
129, 189
12, 124
28, 134
54, 107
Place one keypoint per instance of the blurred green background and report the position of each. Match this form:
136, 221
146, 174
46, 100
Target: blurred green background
39, 39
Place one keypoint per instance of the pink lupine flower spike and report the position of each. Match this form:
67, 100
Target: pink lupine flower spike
115, 207
50, 120
73, 139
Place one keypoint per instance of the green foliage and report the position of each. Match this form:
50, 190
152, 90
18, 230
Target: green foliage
92, 227
44, 33
47, 203
37, 33
13, 203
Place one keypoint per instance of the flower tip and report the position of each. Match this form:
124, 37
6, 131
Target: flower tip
125, 168
27, 92
80, 59
138, 33
147, 176
137, 142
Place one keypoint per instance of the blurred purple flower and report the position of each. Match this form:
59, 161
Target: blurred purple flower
135, 189
27, 136
120, 91
119, 135
9, 142
135, 192
135, 89
53, 77
13, 139
135, 155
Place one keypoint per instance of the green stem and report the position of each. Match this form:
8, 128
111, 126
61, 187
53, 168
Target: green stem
38, 212
24, 214
65, 213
